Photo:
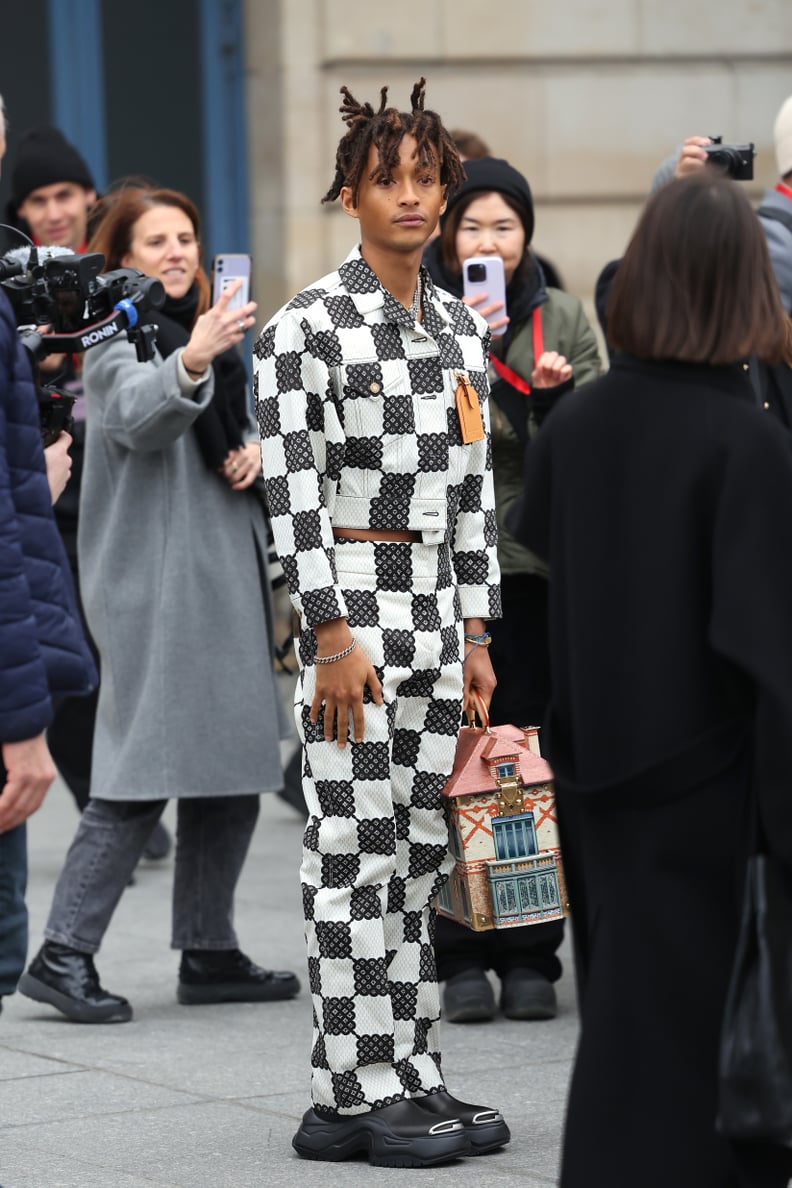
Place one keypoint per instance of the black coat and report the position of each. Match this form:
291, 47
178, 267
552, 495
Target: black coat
662, 499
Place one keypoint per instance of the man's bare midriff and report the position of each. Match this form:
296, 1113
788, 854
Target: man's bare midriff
380, 534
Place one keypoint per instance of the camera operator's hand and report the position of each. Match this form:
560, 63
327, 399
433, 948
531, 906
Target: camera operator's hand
242, 466
692, 156
59, 464
29, 773
551, 370
478, 302
217, 330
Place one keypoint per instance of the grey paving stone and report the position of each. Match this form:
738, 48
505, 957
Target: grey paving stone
210, 1096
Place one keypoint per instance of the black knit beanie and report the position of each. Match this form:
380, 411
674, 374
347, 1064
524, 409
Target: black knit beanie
43, 158
485, 174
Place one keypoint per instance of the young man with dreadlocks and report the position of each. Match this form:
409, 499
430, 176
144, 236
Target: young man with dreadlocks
371, 389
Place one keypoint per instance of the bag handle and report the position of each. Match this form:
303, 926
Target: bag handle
480, 711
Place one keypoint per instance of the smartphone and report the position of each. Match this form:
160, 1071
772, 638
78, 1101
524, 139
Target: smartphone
225, 270
484, 274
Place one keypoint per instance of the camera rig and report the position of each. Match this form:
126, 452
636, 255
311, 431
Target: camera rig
83, 307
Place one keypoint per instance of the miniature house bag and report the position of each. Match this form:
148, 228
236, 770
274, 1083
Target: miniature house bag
503, 831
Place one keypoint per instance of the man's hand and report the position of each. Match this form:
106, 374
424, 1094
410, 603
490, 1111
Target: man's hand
477, 671
479, 678
340, 685
29, 773
692, 157
59, 464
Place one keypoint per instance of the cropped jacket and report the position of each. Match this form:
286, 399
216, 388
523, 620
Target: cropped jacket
356, 404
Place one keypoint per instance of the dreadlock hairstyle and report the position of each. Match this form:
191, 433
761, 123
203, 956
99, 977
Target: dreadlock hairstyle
385, 129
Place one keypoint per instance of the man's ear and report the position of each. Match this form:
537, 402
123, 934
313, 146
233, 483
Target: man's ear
347, 202
445, 200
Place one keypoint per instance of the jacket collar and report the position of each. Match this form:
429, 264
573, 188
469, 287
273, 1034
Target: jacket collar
368, 294
729, 377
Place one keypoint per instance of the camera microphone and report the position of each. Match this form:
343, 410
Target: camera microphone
14, 263
18, 261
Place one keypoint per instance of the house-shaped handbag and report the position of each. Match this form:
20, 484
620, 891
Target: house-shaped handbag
503, 832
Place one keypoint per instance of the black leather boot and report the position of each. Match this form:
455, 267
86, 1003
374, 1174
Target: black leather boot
485, 1128
227, 975
67, 980
399, 1135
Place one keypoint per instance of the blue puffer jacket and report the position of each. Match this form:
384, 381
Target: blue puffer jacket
42, 649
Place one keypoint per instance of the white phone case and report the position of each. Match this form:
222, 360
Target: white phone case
225, 270
487, 277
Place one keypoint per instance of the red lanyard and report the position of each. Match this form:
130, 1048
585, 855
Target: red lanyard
505, 372
785, 190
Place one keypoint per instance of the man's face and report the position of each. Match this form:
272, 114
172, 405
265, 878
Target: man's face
397, 212
58, 214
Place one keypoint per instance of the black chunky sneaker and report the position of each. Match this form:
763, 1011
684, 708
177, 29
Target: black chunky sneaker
484, 1127
468, 998
227, 975
67, 980
398, 1135
527, 994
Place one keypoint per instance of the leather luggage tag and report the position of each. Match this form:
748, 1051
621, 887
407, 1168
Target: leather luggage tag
468, 410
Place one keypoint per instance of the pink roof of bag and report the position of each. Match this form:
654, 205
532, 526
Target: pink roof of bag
479, 749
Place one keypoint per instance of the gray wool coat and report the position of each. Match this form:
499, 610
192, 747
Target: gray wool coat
173, 578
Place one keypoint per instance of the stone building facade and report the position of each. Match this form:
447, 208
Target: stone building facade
585, 97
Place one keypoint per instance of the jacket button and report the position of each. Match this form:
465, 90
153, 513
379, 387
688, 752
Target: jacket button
374, 388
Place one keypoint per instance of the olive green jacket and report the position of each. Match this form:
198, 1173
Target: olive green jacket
566, 330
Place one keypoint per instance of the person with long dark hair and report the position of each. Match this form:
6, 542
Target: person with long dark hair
662, 500
172, 552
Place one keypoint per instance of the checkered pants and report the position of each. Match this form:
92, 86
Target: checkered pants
376, 843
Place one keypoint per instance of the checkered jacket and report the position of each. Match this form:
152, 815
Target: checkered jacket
356, 406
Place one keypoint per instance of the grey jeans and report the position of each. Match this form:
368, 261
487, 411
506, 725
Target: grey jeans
212, 839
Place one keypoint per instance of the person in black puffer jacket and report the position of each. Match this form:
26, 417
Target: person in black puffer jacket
42, 650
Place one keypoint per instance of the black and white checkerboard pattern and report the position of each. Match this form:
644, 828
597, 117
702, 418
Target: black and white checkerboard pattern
376, 843
356, 405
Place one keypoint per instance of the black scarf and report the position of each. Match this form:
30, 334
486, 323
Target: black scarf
219, 427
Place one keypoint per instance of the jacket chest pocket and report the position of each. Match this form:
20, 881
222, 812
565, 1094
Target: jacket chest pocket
378, 416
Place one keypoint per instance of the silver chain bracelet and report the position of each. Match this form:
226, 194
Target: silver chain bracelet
338, 656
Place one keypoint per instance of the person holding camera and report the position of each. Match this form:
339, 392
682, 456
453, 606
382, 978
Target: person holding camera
172, 552
42, 650
775, 210
542, 347
52, 196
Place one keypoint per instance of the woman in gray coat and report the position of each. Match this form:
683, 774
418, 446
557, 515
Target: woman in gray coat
172, 553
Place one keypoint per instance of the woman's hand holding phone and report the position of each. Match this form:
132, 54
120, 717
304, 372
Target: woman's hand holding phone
217, 330
488, 309
484, 286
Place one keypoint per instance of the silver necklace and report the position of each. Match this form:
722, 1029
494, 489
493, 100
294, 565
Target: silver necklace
415, 308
